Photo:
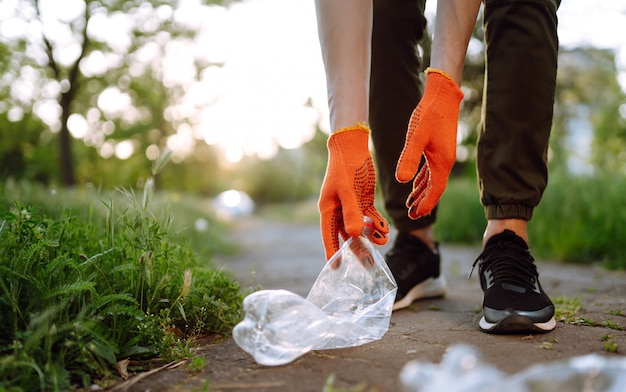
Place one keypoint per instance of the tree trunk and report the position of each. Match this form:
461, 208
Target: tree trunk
66, 163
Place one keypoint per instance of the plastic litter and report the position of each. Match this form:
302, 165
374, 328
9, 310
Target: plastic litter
350, 304
462, 370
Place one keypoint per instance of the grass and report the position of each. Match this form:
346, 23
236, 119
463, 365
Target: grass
613, 325
583, 220
609, 344
329, 386
86, 282
567, 311
579, 220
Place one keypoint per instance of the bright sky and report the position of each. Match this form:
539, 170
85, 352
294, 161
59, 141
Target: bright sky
271, 68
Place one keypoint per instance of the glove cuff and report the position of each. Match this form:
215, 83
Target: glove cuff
350, 138
442, 85
440, 72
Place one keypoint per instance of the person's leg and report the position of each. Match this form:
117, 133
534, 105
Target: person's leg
395, 90
521, 63
520, 79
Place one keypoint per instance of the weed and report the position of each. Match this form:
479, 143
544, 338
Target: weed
197, 364
567, 312
329, 386
566, 309
613, 325
546, 345
609, 343
611, 346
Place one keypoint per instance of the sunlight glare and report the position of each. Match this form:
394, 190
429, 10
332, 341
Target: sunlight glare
233, 154
124, 149
233, 203
112, 101
107, 149
152, 152
257, 102
231, 198
77, 125
181, 143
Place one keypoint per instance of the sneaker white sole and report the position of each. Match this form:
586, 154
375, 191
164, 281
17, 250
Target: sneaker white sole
431, 287
516, 324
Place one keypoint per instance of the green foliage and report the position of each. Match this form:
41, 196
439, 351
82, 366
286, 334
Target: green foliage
613, 325
24, 152
197, 364
567, 311
34, 63
80, 292
580, 219
289, 176
329, 386
609, 343
460, 217
589, 96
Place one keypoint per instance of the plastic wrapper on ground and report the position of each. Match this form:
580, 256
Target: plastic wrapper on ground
462, 370
350, 304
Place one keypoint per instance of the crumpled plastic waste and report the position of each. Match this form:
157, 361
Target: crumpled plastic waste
462, 370
350, 304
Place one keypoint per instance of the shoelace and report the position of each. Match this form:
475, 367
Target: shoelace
508, 263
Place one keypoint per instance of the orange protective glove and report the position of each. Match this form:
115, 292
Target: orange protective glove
348, 190
432, 134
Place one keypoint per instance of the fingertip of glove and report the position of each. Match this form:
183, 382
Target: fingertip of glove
403, 176
379, 238
420, 210
354, 233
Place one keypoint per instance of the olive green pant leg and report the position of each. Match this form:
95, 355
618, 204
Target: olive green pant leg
395, 90
520, 79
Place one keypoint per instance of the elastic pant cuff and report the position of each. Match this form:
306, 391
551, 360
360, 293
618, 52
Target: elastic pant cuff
508, 211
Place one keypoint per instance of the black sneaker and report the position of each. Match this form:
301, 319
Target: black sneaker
514, 301
416, 270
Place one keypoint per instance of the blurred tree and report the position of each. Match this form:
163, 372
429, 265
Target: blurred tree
590, 113
293, 174
93, 70
97, 73
21, 153
589, 127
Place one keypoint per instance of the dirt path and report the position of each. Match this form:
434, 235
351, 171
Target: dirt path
288, 256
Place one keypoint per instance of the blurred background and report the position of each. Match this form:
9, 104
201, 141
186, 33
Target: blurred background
92, 92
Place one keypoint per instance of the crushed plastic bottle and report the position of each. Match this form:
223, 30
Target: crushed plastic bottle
462, 370
350, 304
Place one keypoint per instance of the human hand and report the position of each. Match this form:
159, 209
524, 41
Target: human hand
348, 190
431, 134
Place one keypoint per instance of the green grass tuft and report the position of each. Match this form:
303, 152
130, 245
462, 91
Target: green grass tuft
84, 284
